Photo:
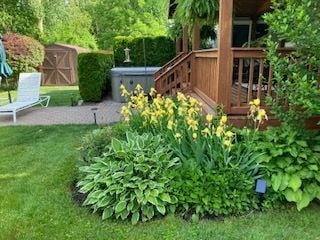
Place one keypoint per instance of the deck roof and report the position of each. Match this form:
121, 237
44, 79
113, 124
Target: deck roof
242, 8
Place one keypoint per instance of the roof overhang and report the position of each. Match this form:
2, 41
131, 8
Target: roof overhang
242, 8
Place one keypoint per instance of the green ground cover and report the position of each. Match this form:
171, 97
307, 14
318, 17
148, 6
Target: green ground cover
38, 165
60, 95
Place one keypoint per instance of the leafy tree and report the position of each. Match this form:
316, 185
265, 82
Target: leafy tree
134, 18
21, 16
296, 74
67, 22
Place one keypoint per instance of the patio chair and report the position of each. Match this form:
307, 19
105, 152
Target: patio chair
28, 95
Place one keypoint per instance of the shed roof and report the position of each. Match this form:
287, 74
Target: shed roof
76, 48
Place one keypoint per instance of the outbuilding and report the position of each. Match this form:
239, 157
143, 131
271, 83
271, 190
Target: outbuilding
60, 64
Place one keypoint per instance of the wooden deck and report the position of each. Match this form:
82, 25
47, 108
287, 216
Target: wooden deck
197, 71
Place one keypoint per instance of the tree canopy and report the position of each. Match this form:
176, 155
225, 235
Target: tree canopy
87, 23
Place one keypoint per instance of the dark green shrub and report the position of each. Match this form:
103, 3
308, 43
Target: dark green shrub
292, 162
159, 50
94, 75
215, 192
24, 54
95, 143
296, 74
131, 180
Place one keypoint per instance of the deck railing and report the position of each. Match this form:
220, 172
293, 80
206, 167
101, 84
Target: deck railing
204, 75
252, 78
176, 77
169, 64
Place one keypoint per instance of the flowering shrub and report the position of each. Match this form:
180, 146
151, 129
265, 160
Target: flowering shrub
216, 176
179, 120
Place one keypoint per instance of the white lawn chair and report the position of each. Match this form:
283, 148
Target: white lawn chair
28, 95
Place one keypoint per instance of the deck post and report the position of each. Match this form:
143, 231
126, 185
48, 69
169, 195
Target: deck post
225, 58
196, 37
185, 40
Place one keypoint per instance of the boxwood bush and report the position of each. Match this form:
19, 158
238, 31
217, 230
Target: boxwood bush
159, 50
94, 75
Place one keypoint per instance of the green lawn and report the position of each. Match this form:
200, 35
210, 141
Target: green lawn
37, 167
60, 96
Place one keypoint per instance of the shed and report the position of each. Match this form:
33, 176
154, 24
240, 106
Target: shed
60, 64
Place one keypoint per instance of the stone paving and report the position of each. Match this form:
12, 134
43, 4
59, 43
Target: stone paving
108, 112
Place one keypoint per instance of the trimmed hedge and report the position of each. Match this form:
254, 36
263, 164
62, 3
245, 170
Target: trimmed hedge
94, 75
159, 50
24, 54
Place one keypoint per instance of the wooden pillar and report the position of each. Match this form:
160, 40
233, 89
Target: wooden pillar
225, 56
196, 37
185, 40
254, 28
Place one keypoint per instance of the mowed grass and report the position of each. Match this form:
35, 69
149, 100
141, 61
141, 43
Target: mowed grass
38, 165
60, 95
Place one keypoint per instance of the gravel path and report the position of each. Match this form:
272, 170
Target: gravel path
108, 112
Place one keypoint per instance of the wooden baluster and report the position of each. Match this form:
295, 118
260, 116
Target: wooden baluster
270, 81
261, 66
240, 78
250, 84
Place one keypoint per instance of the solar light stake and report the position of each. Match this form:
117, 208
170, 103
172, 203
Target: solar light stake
261, 188
72, 99
94, 111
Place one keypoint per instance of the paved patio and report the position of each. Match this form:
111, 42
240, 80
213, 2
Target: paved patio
108, 112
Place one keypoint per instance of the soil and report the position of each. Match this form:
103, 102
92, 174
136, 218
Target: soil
77, 197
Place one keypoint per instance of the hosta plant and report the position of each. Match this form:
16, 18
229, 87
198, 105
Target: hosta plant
292, 163
131, 180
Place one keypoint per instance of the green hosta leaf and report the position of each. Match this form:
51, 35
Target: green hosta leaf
124, 214
148, 211
135, 218
119, 174
313, 189
302, 143
295, 182
120, 206
284, 182
317, 176
264, 158
313, 167
152, 200
107, 213
116, 145
154, 192
130, 206
276, 181
292, 196
293, 152
165, 197
284, 162
276, 152
304, 202
161, 209
316, 148
172, 208
87, 187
